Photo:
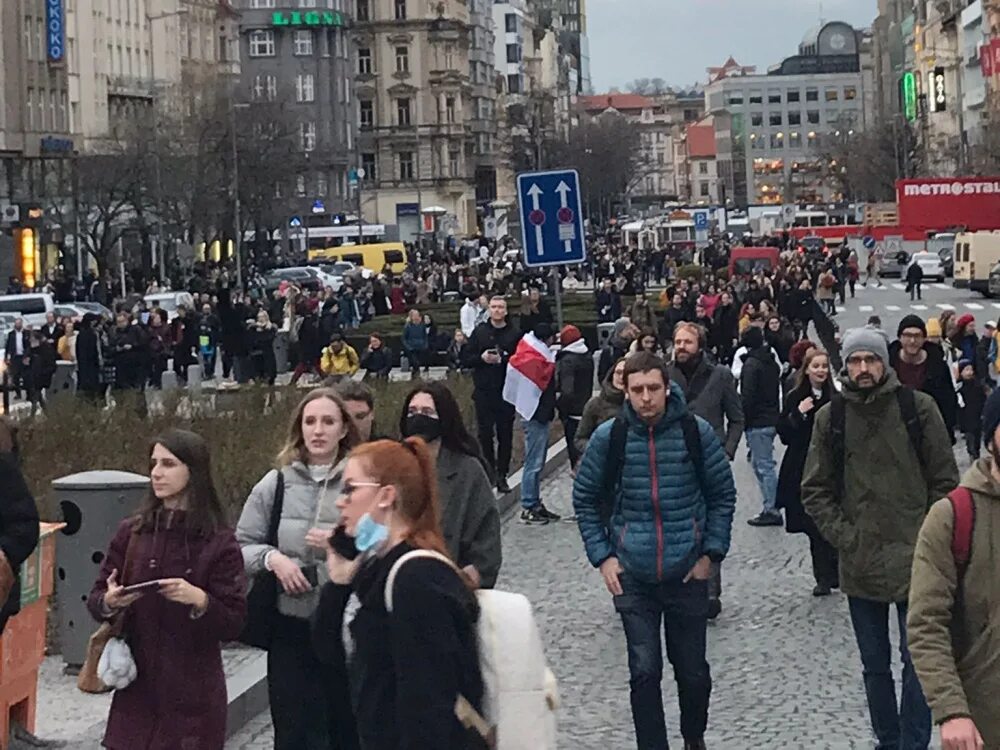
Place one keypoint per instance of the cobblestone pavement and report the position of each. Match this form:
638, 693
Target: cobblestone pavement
785, 664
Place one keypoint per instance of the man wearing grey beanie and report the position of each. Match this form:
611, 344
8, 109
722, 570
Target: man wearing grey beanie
880, 456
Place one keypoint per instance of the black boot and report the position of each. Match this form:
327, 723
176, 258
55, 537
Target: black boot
694, 745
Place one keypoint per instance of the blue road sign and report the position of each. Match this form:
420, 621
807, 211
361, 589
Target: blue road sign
701, 220
868, 241
551, 218
295, 221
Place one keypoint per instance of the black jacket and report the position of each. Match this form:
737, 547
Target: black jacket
18, 528
725, 326
574, 381
795, 431
489, 379
88, 361
711, 394
10, 347
973, 394
671, 318
760, 383
407, 667
377, 361
937, 383
611, 352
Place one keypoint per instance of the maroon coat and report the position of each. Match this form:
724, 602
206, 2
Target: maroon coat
178, 701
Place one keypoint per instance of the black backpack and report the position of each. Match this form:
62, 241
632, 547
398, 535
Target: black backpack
615, 462
838, 420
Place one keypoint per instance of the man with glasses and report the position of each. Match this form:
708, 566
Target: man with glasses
920, 364
879, 458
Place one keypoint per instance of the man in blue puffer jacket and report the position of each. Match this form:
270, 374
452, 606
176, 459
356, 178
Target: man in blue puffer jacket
669, 521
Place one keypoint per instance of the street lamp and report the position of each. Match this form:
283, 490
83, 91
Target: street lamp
238, 224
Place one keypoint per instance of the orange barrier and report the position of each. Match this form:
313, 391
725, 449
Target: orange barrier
22, 646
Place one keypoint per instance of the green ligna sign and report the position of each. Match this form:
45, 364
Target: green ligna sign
309, 18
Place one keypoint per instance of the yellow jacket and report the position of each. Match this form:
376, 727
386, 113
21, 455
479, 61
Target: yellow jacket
345, 362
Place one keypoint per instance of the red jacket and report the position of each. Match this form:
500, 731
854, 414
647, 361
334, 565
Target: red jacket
178, 701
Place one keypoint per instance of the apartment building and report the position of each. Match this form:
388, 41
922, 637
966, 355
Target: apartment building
422, 74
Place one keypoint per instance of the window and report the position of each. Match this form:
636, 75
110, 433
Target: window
405, 165
777, 140
321, 185
261, 3
812, 117
453, 163
449, 109
30, 102
261, 43
265, 88
703, 189
400, 10
757, 119
307, 3
513, 83
367, 108
510, 23
303, 42
735, 97
703, 167
364, 61
305, 88
850, 93
363, 12
794, 118
402, 60
756, 97
300, 185
795, 139
368, 164
307, 136
513, 53
774, 118
403, 111
812, 94
449, 57
773, 96
793, 96
757, 142
832, 94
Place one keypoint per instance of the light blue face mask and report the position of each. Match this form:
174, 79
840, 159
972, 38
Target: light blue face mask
369, 533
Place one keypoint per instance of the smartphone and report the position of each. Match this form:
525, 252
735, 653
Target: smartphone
309, 571
343, 544
141, 588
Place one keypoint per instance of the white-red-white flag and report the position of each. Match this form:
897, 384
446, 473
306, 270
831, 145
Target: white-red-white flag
529, 372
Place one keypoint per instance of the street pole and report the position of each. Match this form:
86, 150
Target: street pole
558, 285
76, 218
237, 223
420, 194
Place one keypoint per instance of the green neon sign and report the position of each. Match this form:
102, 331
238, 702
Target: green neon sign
309, 18
909, 84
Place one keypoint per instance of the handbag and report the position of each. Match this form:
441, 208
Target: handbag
89, 680
262, 599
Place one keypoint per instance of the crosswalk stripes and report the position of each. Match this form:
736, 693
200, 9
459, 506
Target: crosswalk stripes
973, 306
946, 306
865, 308
892, 308
919, 307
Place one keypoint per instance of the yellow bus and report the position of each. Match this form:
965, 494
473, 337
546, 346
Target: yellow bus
374, 257
975, 255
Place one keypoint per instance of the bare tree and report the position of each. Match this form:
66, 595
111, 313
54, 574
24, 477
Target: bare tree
866, 164
647, 86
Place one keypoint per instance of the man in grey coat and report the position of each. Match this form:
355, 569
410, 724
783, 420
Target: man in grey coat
711, 394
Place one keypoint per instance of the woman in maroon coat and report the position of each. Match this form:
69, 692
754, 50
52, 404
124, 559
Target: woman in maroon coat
179, 539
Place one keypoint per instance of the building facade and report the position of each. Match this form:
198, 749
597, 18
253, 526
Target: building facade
779, 122
302, 58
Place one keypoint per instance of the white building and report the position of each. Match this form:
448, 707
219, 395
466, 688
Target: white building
973, 32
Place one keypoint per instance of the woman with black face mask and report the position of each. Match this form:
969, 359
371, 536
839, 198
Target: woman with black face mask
470, 519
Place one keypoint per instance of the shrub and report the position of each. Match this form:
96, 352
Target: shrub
691, 272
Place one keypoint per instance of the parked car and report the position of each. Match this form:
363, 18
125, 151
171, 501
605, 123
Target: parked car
77, 310
302, 277
895, 265
32, 307
947, 256
931, 265
994, 282
169, 302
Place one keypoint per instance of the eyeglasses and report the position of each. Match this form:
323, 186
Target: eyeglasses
913, 335
857, 361
427, 411
349, 488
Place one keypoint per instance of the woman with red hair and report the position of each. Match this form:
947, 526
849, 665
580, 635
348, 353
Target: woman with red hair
408, 663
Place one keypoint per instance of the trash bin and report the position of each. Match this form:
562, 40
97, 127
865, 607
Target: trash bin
93, 503
604, 331
281, 345
22, 647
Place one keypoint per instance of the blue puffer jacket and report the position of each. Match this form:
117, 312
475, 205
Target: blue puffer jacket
663, 520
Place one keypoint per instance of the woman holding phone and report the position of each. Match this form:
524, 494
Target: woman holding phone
310, 705
186, 595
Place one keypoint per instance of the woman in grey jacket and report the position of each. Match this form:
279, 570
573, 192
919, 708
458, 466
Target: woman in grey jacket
470, 519
310, 705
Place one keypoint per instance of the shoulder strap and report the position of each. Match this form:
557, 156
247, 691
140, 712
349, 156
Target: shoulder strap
838, 442
692, 441
964, 508
276, 508
394, 570
615, 460
911, 418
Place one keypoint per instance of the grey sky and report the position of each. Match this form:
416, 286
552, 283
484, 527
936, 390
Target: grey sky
677, 39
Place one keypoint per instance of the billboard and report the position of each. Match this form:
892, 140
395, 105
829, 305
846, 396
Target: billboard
55, 31
945, 202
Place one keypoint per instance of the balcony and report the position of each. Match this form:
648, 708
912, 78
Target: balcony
131, 87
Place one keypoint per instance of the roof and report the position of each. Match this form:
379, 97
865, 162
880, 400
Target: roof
701, 141
621, 102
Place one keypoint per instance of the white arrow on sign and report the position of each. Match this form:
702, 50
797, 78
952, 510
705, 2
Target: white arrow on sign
535, 192
562, 188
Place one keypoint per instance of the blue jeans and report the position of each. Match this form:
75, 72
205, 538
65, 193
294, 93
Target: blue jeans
907, 727
681, 609
536, 444
760, 440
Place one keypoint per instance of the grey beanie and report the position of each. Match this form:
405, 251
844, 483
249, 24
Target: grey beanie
620, 325
865, 340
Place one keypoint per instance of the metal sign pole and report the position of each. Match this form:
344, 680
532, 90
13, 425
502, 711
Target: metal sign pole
559, 310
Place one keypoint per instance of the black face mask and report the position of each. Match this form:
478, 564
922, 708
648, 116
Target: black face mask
420, 425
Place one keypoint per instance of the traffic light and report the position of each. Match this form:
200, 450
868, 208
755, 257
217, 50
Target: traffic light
26, 248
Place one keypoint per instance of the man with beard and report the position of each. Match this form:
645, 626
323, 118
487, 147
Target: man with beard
879, 457
710, 391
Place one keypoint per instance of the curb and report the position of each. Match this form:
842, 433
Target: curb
554, 459
247, 690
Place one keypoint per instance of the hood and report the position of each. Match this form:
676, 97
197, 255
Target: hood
577, 347
887, 387
980, 480
676, 408
609, 392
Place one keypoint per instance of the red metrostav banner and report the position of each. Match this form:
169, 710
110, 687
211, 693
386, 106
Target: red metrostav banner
948, 202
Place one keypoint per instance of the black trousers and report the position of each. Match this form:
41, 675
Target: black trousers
569, 430
973, 442
310, 701
825, 561
493, 414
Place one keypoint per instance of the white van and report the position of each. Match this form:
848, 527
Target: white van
976, 253
31, 307
169, 302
